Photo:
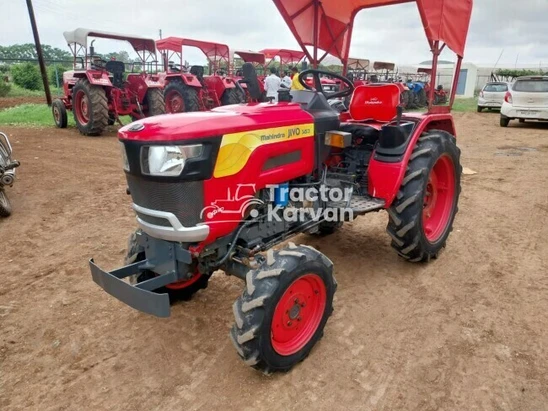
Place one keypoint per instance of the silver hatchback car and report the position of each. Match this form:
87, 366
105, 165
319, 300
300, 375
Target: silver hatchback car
492, 95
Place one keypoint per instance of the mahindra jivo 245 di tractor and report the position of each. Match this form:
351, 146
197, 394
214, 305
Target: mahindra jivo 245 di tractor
189, 88
98, 92
229, 188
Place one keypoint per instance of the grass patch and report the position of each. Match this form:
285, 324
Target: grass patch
463, 105
17, 91
37, 115
29, 115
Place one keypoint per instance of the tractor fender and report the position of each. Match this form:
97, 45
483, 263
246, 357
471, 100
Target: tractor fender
218, 84
188, 79
137, 84
385, 178
98, 78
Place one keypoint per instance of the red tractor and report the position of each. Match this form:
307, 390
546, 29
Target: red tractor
98, 92
192, 90
287, 58
301, 170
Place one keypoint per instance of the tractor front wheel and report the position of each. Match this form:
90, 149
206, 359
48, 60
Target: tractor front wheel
90, 108
180, 98
154, 100
59, 112
284, 308
421, 217
179, 291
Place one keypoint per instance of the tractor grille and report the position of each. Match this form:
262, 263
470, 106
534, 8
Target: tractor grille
184, 199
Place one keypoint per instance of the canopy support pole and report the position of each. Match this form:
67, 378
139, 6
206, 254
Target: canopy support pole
455, 81
436, 51
316, 34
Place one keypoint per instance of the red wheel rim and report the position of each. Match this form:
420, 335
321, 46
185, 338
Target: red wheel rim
179, 285
438, 199
298, 314
82, 107
175, 102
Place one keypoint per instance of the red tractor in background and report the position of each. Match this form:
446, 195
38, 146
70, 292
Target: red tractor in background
357, 71
440, 95
98, 92
189, 89
304, 169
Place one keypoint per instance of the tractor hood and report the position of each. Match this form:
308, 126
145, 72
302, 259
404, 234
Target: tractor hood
217, 122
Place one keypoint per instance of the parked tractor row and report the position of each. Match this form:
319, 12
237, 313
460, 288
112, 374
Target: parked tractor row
99, 92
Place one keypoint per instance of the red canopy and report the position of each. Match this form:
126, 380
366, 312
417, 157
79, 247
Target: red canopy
213, 51
286, 56
251, 57
327, 24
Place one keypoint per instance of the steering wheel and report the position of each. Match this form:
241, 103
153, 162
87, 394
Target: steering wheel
318, 83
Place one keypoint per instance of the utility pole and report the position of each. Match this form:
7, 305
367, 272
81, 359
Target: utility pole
39, 52
160, 33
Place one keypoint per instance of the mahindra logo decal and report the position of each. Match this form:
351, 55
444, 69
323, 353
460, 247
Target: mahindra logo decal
374, 101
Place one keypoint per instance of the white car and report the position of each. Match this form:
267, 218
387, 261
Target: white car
492, 95
527, 99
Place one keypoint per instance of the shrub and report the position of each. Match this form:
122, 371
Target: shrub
27, 75
54, 76
5, 88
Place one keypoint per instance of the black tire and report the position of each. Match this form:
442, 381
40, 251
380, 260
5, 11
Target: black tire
59, 112
97, 108
136, 253
231, 96
254, 310
422, 99
189, 97
504, 121
328, 227
480, 109
5, 205
154, 100
406, 225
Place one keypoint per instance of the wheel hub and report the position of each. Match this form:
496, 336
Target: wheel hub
298, 314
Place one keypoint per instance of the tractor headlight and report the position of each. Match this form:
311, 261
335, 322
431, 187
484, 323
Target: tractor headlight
168, 161
125, 161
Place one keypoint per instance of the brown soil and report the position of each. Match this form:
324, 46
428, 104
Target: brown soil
465, 332
6, 102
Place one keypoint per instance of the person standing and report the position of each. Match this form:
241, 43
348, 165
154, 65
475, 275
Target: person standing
295, 83
286, 80
272, 85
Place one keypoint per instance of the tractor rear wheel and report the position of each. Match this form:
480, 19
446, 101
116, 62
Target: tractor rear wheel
154, 100
59, 112
5, 205
422, 100
180, 98
231, 96
179, 291
421, 217
90, 108
284, 308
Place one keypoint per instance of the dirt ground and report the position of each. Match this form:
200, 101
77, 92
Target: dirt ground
6, 102
466, 332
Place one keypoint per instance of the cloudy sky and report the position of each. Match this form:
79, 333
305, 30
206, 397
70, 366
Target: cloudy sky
386, 34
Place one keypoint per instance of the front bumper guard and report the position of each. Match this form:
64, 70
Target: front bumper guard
139, 296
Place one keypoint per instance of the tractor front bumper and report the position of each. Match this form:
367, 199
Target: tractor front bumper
167, 261
135, 296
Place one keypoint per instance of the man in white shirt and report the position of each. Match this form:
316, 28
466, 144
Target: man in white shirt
286, 80
272, 85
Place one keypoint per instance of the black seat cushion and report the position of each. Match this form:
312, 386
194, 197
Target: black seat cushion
251, 80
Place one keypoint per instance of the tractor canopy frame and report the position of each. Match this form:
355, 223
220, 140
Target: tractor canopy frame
215, 53
327, 25
77, 41
287, 57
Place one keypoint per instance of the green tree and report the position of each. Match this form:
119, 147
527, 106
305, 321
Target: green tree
28, 51
55, 74
27, 75
5, 87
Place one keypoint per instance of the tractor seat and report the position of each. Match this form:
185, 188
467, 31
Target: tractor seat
374, 103
250, 79
117, 68
197, 71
